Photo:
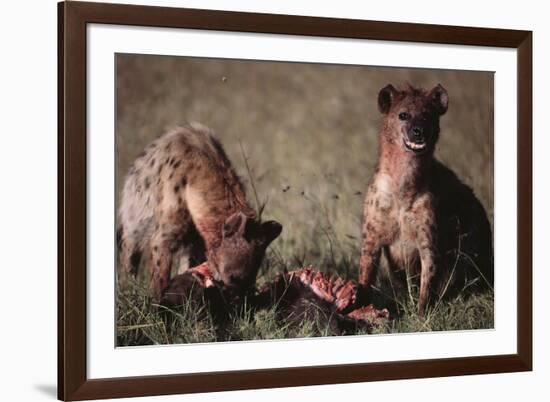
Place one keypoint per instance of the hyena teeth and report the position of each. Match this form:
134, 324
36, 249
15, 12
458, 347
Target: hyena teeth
414, 145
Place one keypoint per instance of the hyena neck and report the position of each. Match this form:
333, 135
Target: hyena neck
408, 172
212, 201
210, 227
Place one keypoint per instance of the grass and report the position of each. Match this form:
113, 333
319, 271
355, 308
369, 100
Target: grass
141, 322
304, 139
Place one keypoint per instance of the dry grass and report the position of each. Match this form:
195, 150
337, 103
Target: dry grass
309, 134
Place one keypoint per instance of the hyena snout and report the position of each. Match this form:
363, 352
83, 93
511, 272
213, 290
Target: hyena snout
244, 241
416, 134
418, 138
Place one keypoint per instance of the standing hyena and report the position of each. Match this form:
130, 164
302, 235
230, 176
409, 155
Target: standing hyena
417, 213
182, 195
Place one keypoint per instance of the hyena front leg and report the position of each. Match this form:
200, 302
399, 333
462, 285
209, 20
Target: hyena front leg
368, 265
183, 260
370, 256
428, 261
161, 263
193, 251
164, 244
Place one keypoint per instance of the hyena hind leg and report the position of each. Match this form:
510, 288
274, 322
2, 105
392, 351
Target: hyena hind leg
130, 256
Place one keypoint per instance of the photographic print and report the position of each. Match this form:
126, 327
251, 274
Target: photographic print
268, 200
254, 188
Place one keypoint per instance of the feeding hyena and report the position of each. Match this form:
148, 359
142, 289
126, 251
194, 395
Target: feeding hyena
417, 213
183, 201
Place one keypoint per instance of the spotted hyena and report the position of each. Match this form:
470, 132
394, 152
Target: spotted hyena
181, 203
417, 213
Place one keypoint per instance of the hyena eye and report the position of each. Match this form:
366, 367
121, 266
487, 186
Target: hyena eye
404, 116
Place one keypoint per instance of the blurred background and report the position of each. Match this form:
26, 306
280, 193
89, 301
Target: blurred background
309, 133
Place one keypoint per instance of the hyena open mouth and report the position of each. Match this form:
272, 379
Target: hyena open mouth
414, 146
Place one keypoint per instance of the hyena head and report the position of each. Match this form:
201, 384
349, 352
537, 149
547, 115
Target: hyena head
244, 240
412, 116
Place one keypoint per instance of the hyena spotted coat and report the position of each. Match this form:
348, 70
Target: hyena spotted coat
182, 202
417, 213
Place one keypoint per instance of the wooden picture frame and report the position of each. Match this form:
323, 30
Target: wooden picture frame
73, 17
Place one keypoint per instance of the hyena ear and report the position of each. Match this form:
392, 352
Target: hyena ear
386, 96
440, 99
271, 230
234, 224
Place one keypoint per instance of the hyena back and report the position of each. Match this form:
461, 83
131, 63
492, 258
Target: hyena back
417, 213
182, 200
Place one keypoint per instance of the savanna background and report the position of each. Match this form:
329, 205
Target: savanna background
303, 137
